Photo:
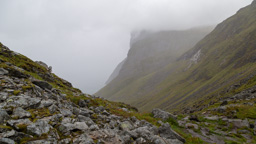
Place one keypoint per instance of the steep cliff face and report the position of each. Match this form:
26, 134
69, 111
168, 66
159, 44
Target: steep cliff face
224, 57
149, 52
115, 72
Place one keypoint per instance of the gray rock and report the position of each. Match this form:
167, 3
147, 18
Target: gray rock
166, 132
53, 108
67, 120
85, 113
23, 101
191, 126
3, 96
3, 71
126, 126
83, 139
66, 112
67, 127
238, 123
99, 109
6, 141
214, 118
44, 141
46, 103
140, 141
7, 134
18, 123
18, 136
82, 103
3, 116
17, 72
158, 113
21, 113
42, 84
39, 127
221, 109
80, 126
143, 132
65, 141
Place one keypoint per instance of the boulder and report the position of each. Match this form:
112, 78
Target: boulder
158, 113
39, 127
165, 131
42, 84
80, 126
21, 113
23, 101
67, 127
66, 112
17, 73
53, 108
126, 126
3, 116
19, 124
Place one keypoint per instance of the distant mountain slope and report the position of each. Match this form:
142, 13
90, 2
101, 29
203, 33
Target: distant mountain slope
224, 57
151, 51
115, 72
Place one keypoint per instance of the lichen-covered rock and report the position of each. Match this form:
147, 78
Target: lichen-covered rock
23, 101
39, 127
21, 113
126, 126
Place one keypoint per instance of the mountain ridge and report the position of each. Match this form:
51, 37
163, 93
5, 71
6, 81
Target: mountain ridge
222, 58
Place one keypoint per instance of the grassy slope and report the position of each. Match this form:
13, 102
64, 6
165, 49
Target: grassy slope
228, 56
144, 60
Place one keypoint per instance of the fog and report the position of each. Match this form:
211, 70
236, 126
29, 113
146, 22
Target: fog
84, 40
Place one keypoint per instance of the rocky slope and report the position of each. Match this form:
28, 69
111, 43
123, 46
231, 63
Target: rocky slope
149, 52
200, 76
37, 107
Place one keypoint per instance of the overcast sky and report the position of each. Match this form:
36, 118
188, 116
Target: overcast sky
84, 40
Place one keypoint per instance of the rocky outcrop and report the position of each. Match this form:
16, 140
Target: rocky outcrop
33, 112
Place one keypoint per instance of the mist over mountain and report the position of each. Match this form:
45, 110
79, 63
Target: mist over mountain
149, 52
218, 61
184, 80
94, 36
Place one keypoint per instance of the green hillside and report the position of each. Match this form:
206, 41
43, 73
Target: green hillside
224, 57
